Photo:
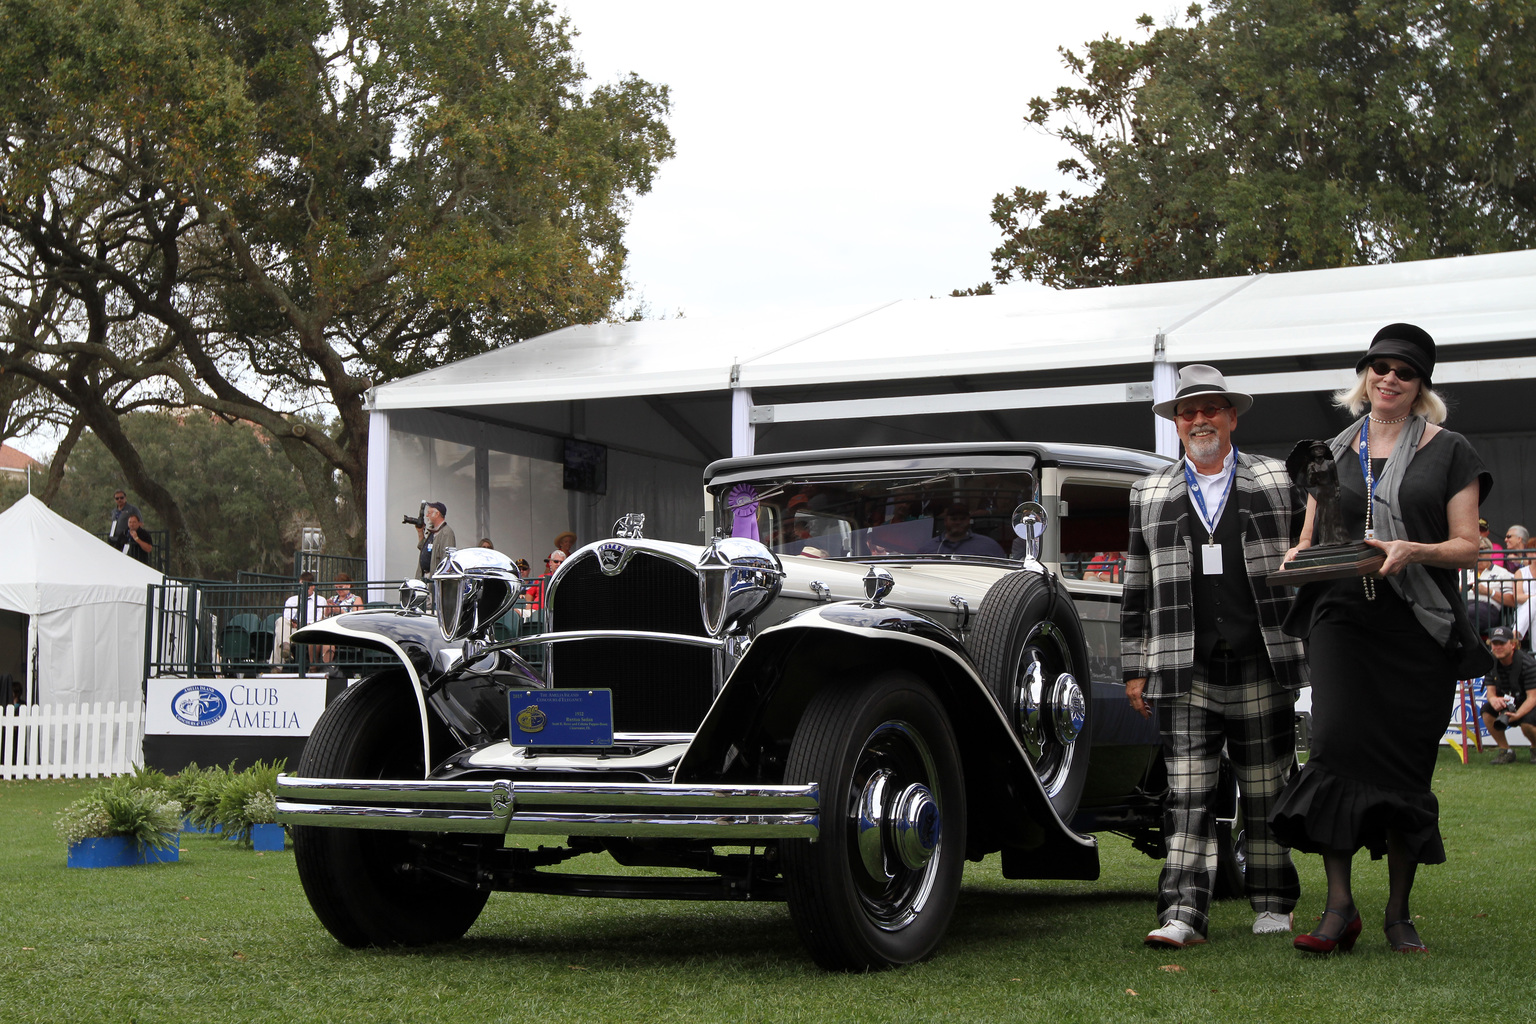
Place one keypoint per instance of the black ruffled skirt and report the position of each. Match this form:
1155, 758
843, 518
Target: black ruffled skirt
1382, 692
1320, 813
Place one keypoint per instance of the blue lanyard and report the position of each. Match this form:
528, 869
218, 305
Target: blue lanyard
1209, 520
1365, 472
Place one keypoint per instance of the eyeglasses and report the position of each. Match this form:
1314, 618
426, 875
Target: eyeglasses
1404, 373
1208, 410
119, 497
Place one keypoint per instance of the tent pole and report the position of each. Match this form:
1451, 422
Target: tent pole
743, 432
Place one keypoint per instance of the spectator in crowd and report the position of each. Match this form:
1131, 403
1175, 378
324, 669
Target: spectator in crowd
316, 607
485, 542
553, 561
565, 541
1490, 589
434, 538
1510, 690
344, 600
957, 538
1517, 546
117, 530
1105, 566
1494, 551
136, 542
522, 567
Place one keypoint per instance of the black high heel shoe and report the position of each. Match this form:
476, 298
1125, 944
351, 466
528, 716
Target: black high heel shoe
1405, 946
1344, 941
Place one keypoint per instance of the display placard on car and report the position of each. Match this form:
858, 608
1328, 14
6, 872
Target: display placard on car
561, 718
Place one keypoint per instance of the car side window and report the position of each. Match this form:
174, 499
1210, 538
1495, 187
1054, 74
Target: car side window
1095, 529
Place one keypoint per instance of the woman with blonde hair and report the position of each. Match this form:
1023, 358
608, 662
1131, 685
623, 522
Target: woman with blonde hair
1385, 649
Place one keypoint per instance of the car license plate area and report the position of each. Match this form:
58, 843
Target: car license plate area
561, 718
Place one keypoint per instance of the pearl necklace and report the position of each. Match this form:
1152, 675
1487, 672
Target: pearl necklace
1387, 422
1370, 497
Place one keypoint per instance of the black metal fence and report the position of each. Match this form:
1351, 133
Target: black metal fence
200, 628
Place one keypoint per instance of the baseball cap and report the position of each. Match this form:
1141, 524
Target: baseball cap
1501, 635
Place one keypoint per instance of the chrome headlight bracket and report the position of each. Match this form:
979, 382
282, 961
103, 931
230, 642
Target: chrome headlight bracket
738, 578
472, 588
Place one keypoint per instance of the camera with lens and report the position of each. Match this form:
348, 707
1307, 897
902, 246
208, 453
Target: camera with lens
1511, 703
420, 519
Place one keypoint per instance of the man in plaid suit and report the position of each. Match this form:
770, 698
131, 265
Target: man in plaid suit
1201, 645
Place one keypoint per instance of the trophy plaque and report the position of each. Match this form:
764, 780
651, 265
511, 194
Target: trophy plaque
1333, 555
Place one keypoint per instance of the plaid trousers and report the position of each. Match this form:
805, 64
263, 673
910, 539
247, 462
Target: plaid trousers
1236, 702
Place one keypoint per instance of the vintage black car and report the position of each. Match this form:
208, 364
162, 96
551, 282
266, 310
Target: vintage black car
887, 661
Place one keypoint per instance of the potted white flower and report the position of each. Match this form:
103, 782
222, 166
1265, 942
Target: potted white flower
119, 825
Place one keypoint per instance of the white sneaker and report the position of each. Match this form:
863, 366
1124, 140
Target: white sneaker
1174, 935
1267, 922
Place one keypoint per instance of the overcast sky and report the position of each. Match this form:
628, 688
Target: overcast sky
833, 152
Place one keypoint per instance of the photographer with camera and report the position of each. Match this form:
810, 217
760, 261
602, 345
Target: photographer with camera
1511, 692
434, 537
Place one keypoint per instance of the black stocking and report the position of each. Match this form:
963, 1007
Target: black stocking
1337, 865
1401, 867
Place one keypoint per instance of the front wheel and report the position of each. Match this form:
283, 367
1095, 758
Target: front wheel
367, 886
878, 886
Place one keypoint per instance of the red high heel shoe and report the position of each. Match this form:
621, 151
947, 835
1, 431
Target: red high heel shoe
1344, 941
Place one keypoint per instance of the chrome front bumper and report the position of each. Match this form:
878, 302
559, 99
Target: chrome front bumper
724, 814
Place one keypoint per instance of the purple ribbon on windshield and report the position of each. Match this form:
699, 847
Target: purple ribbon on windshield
742, 500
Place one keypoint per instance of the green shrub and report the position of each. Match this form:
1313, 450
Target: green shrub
145, 777
182, 787
204, 792
249, 798
121, 808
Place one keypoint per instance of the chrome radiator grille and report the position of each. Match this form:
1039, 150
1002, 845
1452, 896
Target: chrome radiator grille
657, 687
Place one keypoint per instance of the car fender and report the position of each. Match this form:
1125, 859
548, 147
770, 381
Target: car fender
757, 711
412, 638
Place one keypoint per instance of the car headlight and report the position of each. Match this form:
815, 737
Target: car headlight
738, 577
472, 588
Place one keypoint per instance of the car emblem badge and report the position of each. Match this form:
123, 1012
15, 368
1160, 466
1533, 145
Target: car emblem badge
531, 719
611, 557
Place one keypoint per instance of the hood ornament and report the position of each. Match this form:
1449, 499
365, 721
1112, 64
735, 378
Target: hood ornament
878, 582
629, 526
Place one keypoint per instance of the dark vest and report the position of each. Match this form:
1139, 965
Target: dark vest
1224, 607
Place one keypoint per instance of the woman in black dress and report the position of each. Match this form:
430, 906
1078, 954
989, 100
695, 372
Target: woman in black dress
1385, 651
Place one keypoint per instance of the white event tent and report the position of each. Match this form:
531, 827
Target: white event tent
487, 434
85, 604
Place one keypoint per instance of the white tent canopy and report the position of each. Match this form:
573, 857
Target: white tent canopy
1023, 329
85, 603
667, 397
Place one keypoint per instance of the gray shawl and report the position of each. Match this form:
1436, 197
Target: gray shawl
1429, 603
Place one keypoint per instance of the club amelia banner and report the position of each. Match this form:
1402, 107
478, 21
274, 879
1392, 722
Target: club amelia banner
233, 707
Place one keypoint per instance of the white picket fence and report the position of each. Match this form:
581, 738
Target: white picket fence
65, 741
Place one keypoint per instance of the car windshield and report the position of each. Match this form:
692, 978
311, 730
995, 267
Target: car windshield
939, 514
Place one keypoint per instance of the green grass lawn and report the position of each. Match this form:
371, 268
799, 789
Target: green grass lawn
227, 935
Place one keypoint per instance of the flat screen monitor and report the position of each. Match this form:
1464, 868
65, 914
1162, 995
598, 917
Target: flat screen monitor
586, 466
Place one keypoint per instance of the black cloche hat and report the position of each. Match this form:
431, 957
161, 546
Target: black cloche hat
1411, 344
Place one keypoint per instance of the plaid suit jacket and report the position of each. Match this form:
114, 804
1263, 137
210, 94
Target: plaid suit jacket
1157, 619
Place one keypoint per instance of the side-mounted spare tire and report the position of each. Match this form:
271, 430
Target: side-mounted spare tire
1027, 643
366, 885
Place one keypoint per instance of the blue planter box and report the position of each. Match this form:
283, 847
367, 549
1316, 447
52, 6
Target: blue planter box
117, 852
188, 826
268, 838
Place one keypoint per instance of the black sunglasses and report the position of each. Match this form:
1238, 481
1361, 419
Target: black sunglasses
1404, 373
